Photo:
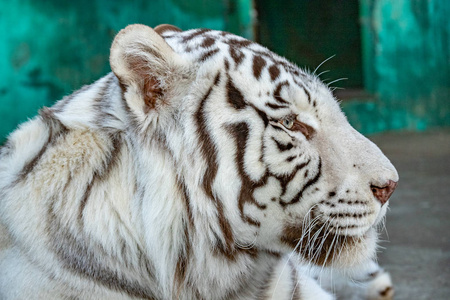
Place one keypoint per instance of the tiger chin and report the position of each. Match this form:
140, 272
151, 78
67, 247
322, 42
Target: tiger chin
203, 166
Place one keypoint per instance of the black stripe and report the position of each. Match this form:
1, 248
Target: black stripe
185, 252
186, 201
234, 96
208, 54
240, 132
209, 153
263, 289
28, 168
258, 65
102, 173
55, 130
182, 263
262, 115
276, 93
207, 146
274, 72
276, 61
288, 67
86, 195
194, 34
306, 186
237, 55
283, 147
207, 42
286, 179
73, 251
300, 85
277, 127
227, 65
101, 104
275, 106
239, 43
291, 158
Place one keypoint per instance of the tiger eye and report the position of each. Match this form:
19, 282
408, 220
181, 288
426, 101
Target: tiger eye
288, 123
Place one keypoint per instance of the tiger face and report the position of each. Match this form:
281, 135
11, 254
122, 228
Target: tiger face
265, 158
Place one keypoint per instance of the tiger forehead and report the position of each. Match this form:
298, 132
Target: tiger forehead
204, 44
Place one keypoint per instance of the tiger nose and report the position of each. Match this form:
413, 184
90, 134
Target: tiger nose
383, 193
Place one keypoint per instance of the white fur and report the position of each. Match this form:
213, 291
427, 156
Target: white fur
132, 188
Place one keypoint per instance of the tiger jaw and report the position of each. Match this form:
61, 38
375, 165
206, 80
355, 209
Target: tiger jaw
323, 246
335, 231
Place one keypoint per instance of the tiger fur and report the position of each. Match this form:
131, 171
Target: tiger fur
203, 167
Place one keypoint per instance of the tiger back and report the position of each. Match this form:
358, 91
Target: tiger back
203, 167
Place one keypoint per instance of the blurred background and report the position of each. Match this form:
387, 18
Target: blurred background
394, 54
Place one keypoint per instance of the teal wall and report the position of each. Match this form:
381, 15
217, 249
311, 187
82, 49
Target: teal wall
307, 32
406, 58
49, 48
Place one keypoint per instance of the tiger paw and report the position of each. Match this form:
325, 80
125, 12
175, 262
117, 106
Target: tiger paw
380, 287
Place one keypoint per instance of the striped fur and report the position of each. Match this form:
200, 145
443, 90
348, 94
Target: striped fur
203, 167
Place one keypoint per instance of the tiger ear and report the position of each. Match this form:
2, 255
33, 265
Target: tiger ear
144, 64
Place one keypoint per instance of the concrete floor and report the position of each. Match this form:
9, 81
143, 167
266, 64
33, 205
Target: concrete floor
417, 244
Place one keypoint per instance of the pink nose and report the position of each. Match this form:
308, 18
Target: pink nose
383, 193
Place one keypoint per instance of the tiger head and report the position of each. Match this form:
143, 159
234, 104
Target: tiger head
261, 152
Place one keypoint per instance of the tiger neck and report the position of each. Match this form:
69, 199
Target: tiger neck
182, 245
186, 246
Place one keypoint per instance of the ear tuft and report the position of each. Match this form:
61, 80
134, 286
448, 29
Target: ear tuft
160, 29
144, 63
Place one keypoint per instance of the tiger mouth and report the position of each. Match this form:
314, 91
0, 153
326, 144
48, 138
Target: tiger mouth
349, 230
322, 246
342, 221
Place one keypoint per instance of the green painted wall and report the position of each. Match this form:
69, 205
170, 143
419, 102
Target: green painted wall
406, 58
49, 48
308, 32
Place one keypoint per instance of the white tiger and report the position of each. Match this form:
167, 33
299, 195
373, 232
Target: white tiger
203, 167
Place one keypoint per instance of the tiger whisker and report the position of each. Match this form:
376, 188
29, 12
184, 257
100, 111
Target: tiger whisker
327, 254
245, 247
336, 80
339, 244
328, 222
315, 235
325, 224
311, 249
312, 224
383, 223
331, 246
336, 88
323, 72
293, 251
308, 232
294, 289
317, 68
248, 246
